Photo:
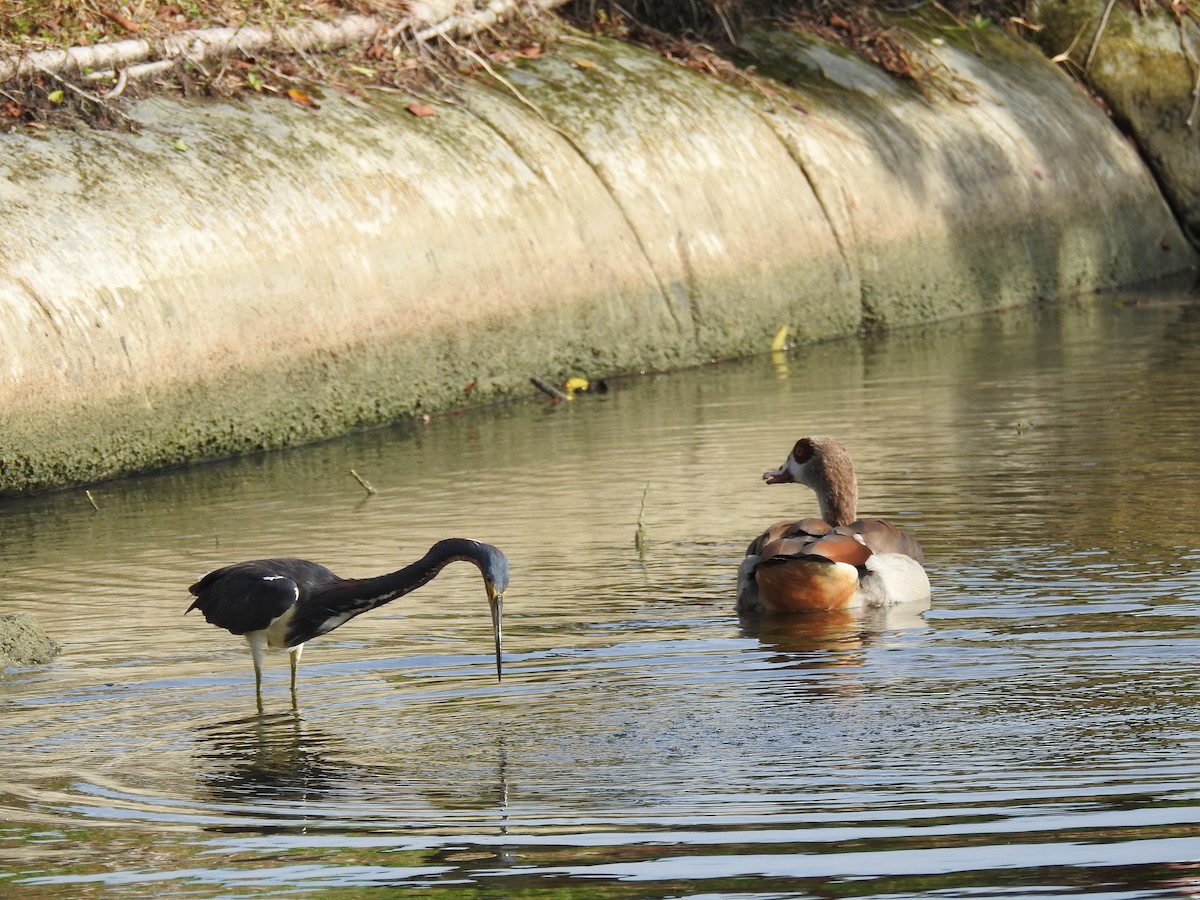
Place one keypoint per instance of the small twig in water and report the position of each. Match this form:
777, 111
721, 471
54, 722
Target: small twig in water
366, 485
547, 388
639, 537
91, 499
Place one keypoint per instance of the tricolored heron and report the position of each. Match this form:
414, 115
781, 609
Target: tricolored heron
282, 603
836, 561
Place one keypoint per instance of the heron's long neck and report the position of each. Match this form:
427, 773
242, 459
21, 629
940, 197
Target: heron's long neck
324, 610
385, 588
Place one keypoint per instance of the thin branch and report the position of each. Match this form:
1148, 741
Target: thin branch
213, 43
1087, 63
366, 485
482, 61
93, 98
122, 80
640, 537
1191, 119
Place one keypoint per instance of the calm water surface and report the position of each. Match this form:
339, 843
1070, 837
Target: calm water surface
1034, 732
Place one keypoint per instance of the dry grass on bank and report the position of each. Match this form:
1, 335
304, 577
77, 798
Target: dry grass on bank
696, 33
42, 24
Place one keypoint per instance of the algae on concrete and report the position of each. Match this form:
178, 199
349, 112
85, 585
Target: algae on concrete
297, 274
1144, 66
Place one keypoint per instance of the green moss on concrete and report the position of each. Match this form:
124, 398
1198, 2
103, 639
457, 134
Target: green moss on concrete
1143, 66
298, 275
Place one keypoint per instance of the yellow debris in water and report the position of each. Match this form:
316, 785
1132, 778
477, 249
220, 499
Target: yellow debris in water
575, 383
779, 342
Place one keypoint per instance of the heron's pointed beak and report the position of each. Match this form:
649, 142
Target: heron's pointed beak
496, 604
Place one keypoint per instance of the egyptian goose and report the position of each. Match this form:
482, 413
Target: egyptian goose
835, 562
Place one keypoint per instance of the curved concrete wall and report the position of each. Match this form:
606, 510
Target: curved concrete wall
253, 275
1140, 59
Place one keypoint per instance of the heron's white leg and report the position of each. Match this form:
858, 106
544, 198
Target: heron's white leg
294, 653
258, 651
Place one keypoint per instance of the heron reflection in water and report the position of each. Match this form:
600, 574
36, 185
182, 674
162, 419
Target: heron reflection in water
282, 603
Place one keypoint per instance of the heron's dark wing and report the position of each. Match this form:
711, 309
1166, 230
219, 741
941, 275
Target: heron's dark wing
330, 607
249, 596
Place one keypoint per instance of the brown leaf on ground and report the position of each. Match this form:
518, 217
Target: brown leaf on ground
845, 25
376, 51
124, 21
420, 110
300, 98
12, 110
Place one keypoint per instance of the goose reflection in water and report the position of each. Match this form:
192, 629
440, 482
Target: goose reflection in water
834, 641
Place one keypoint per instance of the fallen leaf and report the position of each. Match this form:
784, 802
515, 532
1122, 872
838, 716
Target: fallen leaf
242, 64
376, 51
12, 109
300, 98
124, 21
845, 25
585, 64
180, 146
420, 110
55, 96
575, 383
